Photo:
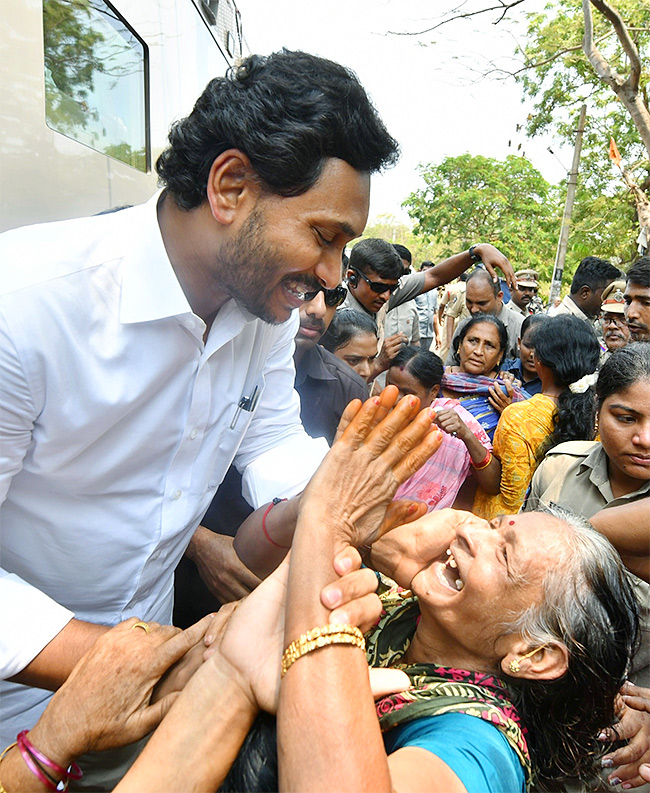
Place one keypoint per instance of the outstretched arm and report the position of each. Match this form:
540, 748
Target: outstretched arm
451, 268
626, 527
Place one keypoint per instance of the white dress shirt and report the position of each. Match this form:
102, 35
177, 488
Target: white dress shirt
117, 424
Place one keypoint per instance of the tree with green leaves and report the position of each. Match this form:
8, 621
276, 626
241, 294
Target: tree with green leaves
468, 199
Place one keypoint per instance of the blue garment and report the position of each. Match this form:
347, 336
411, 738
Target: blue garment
513, 366
476, 751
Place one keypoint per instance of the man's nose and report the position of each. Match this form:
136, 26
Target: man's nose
316, 308
328, 270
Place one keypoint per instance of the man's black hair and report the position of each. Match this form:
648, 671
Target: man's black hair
639, 272
289, 112
403, 252
378, 255
594, 273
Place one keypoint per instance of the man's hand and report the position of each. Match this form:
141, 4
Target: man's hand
493, 258
406, 550
220, 568
389, 349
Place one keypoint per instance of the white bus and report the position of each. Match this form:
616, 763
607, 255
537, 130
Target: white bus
88, 89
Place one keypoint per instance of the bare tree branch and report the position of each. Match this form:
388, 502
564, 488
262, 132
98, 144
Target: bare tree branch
503, 7
624, 37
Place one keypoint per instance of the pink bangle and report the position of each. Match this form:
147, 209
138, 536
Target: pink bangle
264, 529
38, 772
26, 746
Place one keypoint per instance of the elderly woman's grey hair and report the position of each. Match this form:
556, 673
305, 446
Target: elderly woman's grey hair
589, 606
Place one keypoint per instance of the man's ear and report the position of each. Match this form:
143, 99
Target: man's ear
232, 186
500, 295
548, 662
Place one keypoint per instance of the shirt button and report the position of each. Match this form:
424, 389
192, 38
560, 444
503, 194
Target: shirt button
177, 494
193, 434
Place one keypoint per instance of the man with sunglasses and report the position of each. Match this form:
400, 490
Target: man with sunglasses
325, 383
375, 283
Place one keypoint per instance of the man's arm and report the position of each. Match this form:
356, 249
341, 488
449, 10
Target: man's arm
451, 268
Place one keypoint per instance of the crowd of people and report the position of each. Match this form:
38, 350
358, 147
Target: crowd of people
278, 516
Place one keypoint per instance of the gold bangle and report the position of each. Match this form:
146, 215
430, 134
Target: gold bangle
321, 637
2, 757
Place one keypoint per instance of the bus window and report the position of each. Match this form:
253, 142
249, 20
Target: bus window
96, 79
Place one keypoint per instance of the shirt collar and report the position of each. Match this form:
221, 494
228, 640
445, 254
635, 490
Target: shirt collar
150, 289
596, 463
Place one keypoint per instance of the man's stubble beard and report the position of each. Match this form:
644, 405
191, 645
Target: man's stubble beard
249, 270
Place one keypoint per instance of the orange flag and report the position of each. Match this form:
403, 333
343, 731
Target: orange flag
614, 153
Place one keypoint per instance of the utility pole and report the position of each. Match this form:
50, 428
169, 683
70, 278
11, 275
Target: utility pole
558, 270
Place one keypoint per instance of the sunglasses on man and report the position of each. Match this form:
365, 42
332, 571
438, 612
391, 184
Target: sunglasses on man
376, 286
333, 297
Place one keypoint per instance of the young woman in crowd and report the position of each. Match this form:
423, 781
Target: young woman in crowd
523, 368
566, 355
352, 337
610, 474
476, 381
465, 446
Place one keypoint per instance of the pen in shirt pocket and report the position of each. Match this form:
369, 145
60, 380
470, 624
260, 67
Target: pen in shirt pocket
247, 403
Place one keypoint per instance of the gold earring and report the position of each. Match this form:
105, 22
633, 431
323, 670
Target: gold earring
514, 667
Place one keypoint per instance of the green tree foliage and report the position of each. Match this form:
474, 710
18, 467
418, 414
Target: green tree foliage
387, 227
468, 199
558, 76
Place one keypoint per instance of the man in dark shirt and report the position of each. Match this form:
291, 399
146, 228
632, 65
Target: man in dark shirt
325, 383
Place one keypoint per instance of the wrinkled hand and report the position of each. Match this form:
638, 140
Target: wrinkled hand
632, 761
498, 399
105, 702
406, 550
221, 569
382, 445
493, 258
175, 678
450, 422
252, 635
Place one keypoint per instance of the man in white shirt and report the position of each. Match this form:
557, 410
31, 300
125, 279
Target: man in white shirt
143, 351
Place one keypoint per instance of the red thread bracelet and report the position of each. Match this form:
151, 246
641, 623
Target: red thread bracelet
264, 529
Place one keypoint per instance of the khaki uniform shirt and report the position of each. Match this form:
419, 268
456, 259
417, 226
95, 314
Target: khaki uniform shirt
574, 475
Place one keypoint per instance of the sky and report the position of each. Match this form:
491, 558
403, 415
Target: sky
425, 88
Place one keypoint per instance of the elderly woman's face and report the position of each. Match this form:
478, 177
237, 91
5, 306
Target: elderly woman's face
624, 425
480, 350
491, 574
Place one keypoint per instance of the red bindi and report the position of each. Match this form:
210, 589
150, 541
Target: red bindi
511, 523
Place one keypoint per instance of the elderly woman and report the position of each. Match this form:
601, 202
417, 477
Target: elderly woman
476, 380
503, 668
